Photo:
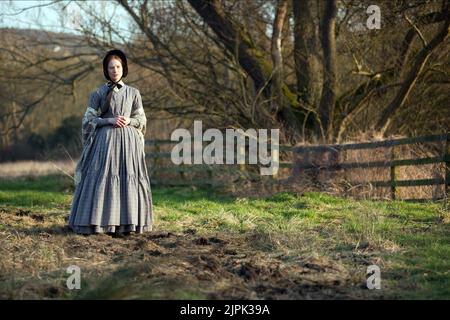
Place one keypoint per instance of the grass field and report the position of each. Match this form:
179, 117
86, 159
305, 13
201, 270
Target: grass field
209, 245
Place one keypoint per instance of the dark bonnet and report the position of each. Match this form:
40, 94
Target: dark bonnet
122, 56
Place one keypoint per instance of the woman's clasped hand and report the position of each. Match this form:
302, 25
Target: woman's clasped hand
119, 121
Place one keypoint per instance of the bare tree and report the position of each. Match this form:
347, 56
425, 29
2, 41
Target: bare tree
310, 68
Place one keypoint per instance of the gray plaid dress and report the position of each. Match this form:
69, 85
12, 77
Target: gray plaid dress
114, 194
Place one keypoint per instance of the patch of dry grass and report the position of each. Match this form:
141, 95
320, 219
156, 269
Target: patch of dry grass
32, 168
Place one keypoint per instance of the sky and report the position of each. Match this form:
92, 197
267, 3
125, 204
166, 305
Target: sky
46, 14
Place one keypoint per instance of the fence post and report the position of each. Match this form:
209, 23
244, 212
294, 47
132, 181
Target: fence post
344, 158
210, 177
182, 175
447, 166
241, 153
393, 174
155, 161
157, 150
311, 159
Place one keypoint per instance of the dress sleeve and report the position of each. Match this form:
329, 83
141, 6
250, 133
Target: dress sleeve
91, 118
137, 117
94, 100
97, 106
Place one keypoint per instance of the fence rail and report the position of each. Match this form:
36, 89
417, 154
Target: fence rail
376, 144
393, 163
309, 164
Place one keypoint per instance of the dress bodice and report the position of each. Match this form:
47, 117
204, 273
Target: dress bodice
121, 100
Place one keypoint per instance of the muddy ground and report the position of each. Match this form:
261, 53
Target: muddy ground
169, 265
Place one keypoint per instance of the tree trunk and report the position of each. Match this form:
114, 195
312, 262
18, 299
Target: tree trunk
236, 41
239, 43
277, 57
307, 66
328, 98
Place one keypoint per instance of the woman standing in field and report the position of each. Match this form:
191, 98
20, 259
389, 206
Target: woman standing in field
112, 187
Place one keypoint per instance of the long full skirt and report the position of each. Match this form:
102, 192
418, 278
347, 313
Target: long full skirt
114, 193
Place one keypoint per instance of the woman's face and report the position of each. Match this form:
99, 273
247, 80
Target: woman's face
115, 69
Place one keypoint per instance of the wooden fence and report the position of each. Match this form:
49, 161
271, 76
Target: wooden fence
157, 160
309, 163
393, 163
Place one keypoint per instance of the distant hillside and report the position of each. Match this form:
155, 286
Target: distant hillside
57, 42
